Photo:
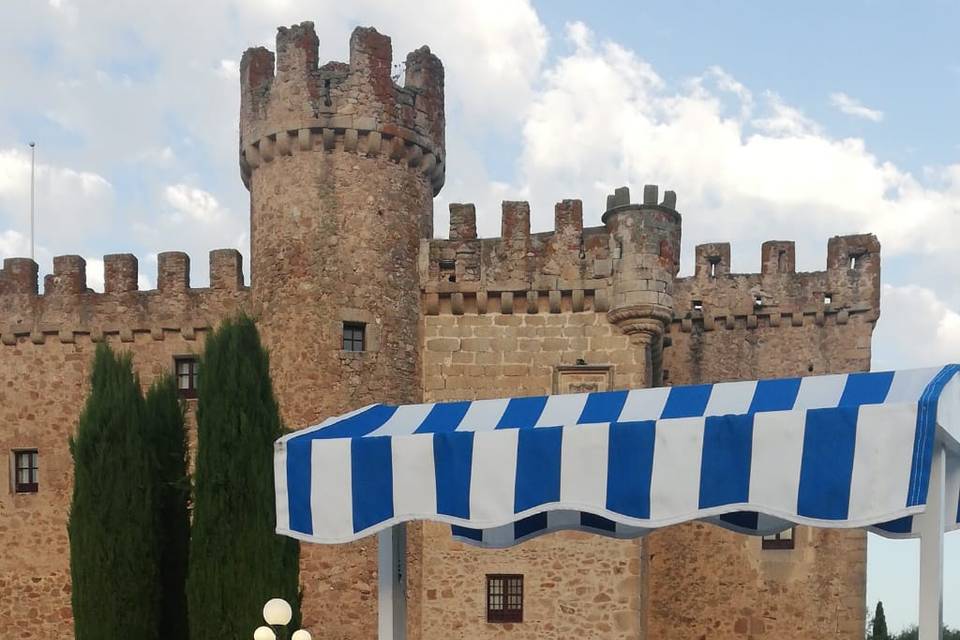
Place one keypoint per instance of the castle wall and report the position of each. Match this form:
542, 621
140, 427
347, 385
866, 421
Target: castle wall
496, 325
45, 358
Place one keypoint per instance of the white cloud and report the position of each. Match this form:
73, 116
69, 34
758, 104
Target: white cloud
853, 107
191, 204
70, 204
744, 170
916, 329
229, 69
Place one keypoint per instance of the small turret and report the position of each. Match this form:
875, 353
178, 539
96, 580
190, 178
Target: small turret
645, 253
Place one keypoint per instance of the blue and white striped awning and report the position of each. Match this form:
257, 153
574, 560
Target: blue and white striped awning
836, 451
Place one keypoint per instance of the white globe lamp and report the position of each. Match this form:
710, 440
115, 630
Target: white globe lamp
264, 633
301, 634
277, 611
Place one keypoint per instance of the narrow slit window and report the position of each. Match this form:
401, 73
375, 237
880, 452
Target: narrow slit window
782, 540
26, 471
187, 372
714, 264
505, 598
354, 336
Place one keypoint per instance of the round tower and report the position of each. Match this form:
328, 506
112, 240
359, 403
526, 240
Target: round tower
342, 165
645, 246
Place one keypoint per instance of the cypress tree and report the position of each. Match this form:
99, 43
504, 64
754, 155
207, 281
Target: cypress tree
113, 548
165, 424
237, 561
880, 624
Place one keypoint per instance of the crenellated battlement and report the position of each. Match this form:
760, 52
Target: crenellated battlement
716, 297
290, 105
68, 307
629, 266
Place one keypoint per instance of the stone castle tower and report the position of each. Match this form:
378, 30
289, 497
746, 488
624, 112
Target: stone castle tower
342, 165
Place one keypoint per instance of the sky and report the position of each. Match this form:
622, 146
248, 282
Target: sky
770, 120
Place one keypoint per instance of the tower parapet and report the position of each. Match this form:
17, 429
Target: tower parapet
290, 105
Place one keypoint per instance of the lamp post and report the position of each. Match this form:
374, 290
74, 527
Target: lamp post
277, 614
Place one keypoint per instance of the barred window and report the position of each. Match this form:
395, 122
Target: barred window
26, 472
187, 370
353, 336
782, 540
505, 598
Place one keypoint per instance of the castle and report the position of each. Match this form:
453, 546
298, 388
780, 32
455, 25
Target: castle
358, 303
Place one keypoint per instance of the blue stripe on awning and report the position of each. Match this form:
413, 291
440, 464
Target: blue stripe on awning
522, 413
687, 402
444, 417
630, 467
465, 532
300, 465
725, 460
866, 388
925, 434
371, 470
452, 457
538, 467
747, 520
530, 524
597, 522
775, 395
900, 525
826, 466
603, 406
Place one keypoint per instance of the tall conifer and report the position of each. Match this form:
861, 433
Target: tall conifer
113, 546
237, 561
879, 630
168, 443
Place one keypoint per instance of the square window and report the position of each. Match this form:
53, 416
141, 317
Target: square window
782, 540
26, 471
504, 598
354, 336
187, 372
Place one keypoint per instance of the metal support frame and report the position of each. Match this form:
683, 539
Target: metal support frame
931, 526
391, 582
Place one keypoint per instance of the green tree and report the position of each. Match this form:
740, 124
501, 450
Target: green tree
879, 628
168, 443
237, 561
113, 544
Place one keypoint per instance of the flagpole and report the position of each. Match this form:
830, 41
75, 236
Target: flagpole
33, 169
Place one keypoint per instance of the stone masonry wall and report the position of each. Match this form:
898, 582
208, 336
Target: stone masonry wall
576, 584
502, 321
45, 359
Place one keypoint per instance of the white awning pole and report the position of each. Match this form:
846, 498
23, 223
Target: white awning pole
391, 588
932, 523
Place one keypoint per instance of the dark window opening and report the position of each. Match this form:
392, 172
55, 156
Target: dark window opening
758, 300
828, 298
353, 336
782, 540
714, 262
187, 370
855, 260
26, 472
782, 262
698, 305
504, 598
448, 270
